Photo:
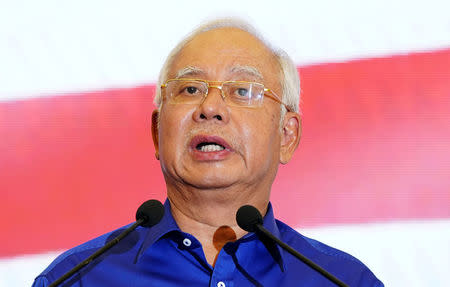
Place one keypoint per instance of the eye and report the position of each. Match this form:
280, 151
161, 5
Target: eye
242, 92
191, 90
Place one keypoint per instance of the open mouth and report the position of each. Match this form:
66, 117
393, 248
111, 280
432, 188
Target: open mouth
206, 144
209, 147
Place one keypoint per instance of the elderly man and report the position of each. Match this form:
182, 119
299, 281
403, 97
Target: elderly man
227, 116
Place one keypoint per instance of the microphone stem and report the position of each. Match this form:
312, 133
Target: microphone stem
97, 253
303, 258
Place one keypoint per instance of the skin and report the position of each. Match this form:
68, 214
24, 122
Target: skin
206, 192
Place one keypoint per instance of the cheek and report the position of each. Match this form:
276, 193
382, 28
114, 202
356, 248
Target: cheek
261, 137
171, 131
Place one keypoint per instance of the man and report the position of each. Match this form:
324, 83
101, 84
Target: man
227, 116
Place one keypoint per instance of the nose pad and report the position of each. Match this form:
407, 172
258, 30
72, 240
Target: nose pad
211, 97
213, 106
211, 89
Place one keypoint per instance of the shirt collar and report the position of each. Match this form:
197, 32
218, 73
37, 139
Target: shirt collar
269, 222
168, 224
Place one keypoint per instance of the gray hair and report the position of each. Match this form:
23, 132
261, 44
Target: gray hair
289, 78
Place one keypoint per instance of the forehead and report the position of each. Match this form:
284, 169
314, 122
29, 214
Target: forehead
220, 52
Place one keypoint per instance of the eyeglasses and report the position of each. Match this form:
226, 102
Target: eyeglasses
234, 93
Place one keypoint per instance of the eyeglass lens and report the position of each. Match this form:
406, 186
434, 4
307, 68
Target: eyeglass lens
235, 93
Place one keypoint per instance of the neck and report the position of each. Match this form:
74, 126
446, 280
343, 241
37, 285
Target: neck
210, 215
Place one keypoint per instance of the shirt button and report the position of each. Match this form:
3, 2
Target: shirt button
220, 284
187, 242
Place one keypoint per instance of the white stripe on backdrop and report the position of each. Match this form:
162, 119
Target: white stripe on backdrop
401, 254
48, 46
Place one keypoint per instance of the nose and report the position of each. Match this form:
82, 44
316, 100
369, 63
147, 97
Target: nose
212, 108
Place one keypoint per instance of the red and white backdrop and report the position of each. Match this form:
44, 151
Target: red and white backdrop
371, 175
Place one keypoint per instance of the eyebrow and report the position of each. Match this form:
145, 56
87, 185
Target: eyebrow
189, 71
249, 70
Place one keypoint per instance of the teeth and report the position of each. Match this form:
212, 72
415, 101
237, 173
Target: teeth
211, 147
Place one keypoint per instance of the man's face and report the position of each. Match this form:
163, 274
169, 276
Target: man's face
250, 135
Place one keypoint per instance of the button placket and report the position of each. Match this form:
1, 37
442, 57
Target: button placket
224, 269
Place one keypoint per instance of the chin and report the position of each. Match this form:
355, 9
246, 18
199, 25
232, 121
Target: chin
210, 182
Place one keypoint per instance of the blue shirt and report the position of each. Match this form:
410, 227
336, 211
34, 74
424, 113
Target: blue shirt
164, 256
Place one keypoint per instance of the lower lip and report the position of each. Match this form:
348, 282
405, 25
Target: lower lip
210, 156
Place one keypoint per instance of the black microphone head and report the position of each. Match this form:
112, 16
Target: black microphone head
248, 217
151, 211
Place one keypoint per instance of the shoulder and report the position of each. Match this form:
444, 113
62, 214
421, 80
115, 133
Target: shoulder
290, 234
336, 261
73, 257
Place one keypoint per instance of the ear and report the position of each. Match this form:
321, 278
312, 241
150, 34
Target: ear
290, 136
155, 128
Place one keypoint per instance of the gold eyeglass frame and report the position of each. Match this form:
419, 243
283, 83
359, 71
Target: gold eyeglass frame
267, 92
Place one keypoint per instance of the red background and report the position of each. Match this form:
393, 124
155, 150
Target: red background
375, 147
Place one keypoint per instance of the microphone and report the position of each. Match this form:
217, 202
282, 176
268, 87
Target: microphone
249, 219
148, 214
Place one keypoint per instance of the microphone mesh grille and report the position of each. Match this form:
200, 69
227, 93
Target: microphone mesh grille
152, 211
248, 217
